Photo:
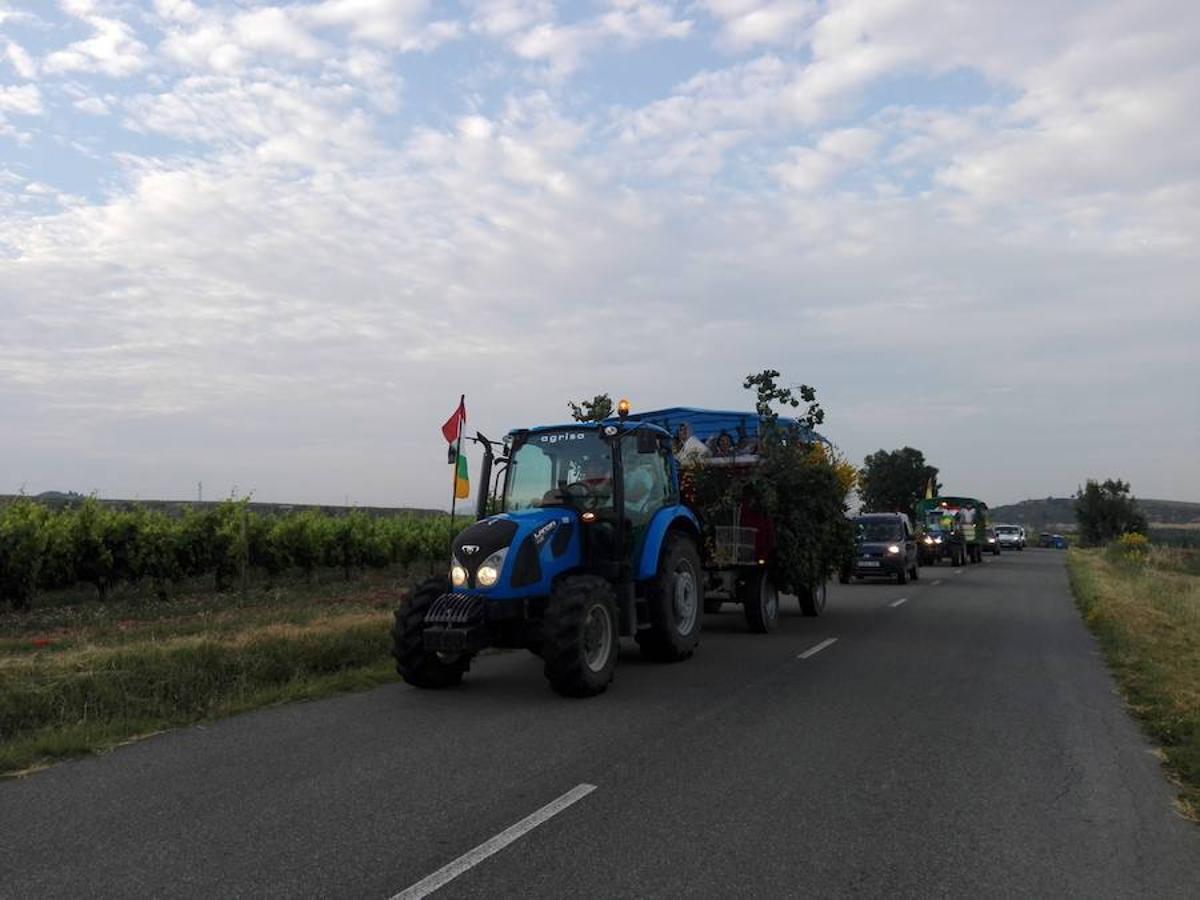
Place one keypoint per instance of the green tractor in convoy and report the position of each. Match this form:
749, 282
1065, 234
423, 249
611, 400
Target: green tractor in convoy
953, 528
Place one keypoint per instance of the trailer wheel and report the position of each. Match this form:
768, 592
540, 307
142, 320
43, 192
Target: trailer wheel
419, 667
760, 600
580, 640
674, 602
812, 602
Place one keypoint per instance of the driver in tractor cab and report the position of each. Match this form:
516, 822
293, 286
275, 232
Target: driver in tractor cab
596, 475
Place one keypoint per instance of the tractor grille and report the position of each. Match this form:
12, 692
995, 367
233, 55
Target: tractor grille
455, 609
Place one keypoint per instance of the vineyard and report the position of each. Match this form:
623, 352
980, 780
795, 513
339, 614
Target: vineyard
44, 550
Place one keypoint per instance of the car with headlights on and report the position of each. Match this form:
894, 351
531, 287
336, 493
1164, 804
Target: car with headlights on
885, 546
992, 545
1010, 537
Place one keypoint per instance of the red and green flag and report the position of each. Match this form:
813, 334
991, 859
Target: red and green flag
452, 431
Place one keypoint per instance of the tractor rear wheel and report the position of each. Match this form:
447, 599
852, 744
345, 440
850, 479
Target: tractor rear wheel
420, 667
674, 602
760, 600
812, 602
580, 640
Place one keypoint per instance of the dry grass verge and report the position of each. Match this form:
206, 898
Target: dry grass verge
1145, 610
77, 679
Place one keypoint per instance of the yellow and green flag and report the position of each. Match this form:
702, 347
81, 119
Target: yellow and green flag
462, 484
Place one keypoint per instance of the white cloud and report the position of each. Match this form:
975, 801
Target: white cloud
20, 60
290, 272
837, 152
628, 23
92, 106
500, 18
748, 23
24, 99
113, 49
273, 30
398, 24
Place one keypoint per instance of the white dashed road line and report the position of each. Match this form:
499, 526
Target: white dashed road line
813, 651
452, 870
958, 571
935, 583
899, 602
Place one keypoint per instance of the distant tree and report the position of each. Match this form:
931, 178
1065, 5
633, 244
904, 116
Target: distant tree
895, 480
1106, 510
597, 409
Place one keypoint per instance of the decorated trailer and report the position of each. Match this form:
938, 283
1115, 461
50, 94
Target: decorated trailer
722, 455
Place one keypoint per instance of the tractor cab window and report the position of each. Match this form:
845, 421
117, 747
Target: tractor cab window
647, 479
564, 467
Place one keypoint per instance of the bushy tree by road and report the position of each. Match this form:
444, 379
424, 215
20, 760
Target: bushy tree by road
1106, 510
895, 480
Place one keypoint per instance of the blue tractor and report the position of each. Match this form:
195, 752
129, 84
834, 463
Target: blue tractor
592, 543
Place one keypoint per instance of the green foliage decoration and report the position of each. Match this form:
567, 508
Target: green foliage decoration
801, 487
597, 409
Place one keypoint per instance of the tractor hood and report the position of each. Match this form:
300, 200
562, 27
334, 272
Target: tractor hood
528, 548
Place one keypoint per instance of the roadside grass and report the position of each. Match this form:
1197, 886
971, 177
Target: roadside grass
1146, 614
81, 677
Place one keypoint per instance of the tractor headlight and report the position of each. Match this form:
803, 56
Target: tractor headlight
928, 539
937, 540
488, 572
458, 575
893, 549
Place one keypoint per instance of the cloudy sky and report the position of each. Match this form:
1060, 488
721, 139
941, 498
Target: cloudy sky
267, 244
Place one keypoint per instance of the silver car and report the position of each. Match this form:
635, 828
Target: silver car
1011, 537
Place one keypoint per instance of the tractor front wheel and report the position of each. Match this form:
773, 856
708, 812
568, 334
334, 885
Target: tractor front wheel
418, 666
580, 640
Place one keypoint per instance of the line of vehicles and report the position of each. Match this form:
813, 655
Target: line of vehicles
584, 534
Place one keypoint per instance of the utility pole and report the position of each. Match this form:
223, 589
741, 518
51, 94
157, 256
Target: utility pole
199, 491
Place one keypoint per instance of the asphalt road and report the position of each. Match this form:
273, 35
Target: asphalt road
965, 742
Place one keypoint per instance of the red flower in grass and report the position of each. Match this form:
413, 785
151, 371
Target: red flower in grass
42, 642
